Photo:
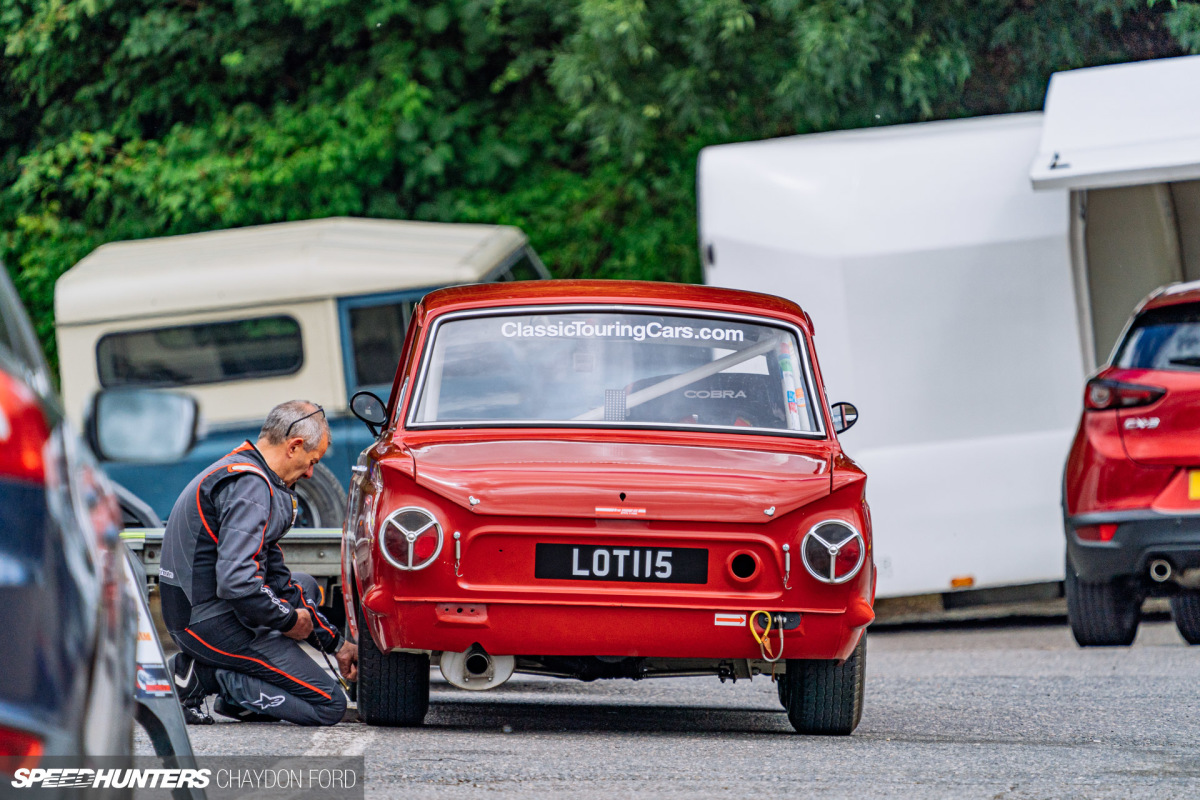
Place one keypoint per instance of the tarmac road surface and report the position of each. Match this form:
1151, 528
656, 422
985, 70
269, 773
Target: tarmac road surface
985, 712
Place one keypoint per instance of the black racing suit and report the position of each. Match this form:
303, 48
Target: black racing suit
227, 595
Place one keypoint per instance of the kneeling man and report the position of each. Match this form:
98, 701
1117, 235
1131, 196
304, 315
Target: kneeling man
230, 602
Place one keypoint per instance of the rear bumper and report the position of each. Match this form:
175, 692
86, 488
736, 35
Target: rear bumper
1141, 536
524, 629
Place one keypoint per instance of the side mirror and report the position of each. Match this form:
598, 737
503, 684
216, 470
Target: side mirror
142, 425
844, 416
370, 409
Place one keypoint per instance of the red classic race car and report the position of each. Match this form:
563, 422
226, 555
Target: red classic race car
602, 479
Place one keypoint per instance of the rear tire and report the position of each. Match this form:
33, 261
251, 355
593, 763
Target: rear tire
825, 698
1102, 614
393, 688
1185, 608
320, 500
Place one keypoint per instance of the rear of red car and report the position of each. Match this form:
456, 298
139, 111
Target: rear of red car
1132, 483
607, 480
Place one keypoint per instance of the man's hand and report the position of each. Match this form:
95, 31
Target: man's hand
347, 658
303, 627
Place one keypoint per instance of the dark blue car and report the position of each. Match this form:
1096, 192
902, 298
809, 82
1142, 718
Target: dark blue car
67, 613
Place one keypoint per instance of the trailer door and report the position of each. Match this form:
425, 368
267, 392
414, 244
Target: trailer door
1125, 139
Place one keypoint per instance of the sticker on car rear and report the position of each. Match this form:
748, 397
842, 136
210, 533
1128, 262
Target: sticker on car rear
729, 620
623, 511
634, 564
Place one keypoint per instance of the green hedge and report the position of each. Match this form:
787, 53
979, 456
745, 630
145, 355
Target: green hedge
578, 120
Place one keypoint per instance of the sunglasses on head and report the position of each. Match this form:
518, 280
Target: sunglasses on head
319, 410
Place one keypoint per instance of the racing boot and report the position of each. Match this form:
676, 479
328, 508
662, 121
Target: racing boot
230, 709
191, 689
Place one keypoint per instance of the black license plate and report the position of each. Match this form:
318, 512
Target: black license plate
582, 562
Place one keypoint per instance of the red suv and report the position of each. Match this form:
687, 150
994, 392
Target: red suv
1131, 492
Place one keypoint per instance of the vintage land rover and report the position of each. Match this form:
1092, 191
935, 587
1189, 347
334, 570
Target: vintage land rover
604, 479
243, 319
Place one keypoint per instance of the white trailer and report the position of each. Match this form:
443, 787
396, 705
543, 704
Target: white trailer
964, 277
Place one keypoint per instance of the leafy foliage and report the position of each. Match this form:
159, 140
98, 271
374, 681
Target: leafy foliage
578, 120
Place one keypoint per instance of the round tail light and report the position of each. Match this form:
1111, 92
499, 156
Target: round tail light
833, 551
410, 538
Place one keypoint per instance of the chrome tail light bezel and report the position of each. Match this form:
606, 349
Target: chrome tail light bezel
407, 564
834, 548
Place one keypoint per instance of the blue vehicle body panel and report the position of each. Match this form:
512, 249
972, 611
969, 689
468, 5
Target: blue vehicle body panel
159, 485
44, 612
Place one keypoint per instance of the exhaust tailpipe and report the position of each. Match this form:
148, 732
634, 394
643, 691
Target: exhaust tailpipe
1160, 570
477, 662
476, 669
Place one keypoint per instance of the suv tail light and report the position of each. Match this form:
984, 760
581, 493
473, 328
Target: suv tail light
1102, 395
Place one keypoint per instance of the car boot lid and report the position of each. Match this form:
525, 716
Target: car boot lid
622, 480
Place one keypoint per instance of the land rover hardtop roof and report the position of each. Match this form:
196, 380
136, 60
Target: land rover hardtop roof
277, 263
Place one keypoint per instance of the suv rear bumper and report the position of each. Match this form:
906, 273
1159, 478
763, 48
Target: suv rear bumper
1141, 536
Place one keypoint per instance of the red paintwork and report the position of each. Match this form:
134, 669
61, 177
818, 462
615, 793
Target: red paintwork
1175, 295
1100, 476
661, 480
1117, 465
1176, 439
1174, 499
708, 490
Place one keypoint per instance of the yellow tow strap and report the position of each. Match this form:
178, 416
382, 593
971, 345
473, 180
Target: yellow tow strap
764, 639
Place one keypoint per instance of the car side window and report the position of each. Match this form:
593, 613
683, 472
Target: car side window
17, 338
526, 267
209, 352
377, 339
6, 338
522, 270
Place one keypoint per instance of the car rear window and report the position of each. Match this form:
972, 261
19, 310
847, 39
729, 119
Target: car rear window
630, 369
1163, 338
210, 352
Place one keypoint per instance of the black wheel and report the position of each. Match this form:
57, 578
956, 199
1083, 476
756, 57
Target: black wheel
1185, 608
320, 500
393, 688
781, 686
335, 611
825, 698
1102, 614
